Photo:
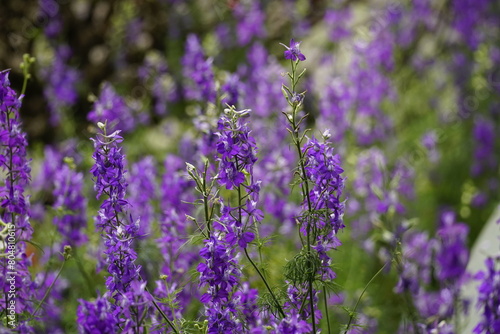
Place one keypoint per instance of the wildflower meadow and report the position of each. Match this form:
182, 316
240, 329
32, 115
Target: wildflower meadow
250, 166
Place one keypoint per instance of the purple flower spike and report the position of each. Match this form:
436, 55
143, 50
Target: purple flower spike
293, 52
15, 210
96, 317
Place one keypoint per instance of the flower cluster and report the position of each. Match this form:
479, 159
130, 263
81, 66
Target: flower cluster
324, 171
220, 273
489, 298
15, 206
118, 229
97, 317
237, 155
236, 147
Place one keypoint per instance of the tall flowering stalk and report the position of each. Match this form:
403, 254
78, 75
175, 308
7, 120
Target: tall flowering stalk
126, 297
234, 229
321, 183
118, 230
15, 281
219, 271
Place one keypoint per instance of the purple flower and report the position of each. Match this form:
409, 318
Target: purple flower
489, 297
293, 324
135, 305
97, 317
220, 273
247, 298
236, 147
433, 270
15, 206
324, 171
117, 227
293, 51
453, 254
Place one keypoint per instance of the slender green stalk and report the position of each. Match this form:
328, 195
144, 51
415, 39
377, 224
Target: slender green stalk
50, 287
205, 200
240, 217
86, 277
280, 310
353, 312
25, 66
326, 312
163, 315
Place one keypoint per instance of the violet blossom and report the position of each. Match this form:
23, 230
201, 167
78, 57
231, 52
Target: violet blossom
15, 214
293, 52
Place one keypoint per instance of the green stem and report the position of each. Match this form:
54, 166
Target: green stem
164, 316
326, 312
84, 273
205, 205
456, 301
280, 310
304, 184
250, 259
351, 316
305, 187
49, 289
25, 84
